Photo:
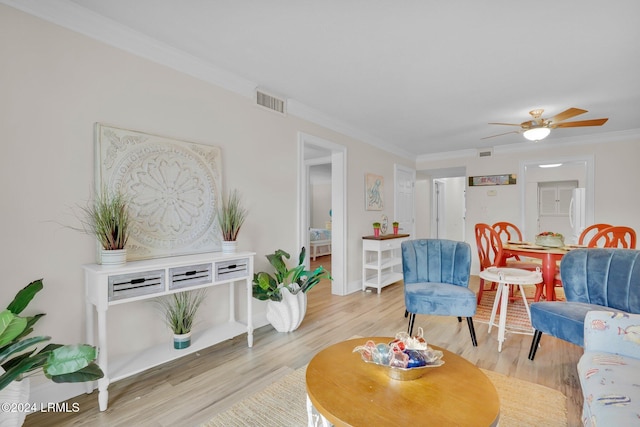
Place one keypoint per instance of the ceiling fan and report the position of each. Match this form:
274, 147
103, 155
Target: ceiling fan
539, 128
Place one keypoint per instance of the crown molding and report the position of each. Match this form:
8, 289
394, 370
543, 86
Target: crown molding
599, 138
76, 18
307, 113
607, 137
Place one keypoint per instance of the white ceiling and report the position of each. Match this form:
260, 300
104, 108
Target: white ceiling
417, 76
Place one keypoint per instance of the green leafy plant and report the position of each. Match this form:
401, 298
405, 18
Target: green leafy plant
231, 216
376, 225
395, 224
180, 309
268, 287
107, 217
59, 363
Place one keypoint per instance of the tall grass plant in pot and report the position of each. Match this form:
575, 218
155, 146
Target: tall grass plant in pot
231, 215
179, 312
107, 218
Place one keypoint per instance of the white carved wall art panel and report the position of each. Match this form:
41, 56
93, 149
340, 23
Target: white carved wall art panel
173, 187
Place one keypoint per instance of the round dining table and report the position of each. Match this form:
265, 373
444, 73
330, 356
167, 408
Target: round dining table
549, 256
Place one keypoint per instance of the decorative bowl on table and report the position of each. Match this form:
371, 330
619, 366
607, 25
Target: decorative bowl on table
406, 374
550, 239
405, 358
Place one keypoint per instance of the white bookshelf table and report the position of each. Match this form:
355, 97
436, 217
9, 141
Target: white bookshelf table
381, 260
141, 280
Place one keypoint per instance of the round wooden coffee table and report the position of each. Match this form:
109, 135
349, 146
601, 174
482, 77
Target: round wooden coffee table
349, 392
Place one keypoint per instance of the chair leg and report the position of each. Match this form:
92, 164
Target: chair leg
459, 319
406, 313
412, 318
480, 290
472, 331
534, 344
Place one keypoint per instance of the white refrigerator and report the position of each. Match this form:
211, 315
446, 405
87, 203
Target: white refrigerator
577, 214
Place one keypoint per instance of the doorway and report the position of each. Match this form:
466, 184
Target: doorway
448, 208
314, 150
438, 218
579, 168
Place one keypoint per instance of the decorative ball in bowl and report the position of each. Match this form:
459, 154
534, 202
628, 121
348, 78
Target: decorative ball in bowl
405, 358
550, 239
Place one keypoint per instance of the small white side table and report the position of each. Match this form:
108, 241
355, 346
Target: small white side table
505, 277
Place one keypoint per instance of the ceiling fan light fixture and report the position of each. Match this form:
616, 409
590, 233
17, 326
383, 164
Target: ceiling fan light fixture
537, 134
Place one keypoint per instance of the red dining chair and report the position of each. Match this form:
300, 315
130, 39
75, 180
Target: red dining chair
491, 254
614, 237
589, 232
508, 232
586, 235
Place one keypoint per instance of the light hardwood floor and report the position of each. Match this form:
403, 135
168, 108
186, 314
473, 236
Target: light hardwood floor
189, 391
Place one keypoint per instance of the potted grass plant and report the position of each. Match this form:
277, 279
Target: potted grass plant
179, 311
231, 215
285, 289
19, 357
107, 218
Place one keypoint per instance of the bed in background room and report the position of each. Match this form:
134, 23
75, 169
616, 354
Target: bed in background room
320, 242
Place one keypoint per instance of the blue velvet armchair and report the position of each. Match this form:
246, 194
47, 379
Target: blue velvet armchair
436, 280
593, 279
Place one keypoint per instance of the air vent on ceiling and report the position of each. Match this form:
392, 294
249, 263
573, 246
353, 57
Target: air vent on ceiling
270, 102
485, 153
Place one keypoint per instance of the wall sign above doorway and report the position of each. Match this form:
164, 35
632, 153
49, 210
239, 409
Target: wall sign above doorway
492, 180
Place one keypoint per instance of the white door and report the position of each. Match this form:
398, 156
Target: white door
404, 211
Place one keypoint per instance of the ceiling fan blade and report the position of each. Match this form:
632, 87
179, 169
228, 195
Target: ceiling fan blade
505, 124
500, 134
566, 114
593, 122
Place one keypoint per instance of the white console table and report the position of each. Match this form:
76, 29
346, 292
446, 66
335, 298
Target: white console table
381, 260
140, 280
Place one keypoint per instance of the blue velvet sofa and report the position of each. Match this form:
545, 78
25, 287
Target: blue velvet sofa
609, 370
593, 279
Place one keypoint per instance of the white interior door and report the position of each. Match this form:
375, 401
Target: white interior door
404, 210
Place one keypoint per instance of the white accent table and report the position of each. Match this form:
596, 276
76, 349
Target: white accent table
141, 280
504, 277
382, 260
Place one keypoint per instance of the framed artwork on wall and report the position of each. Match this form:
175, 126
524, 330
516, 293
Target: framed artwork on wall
173, 188
374, 192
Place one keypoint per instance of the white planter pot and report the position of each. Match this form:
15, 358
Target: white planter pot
181, 341
229, 247
286, 315
15, 394
113, 258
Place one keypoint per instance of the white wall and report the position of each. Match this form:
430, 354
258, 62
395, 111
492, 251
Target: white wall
454, 207
320, 204
55, 85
